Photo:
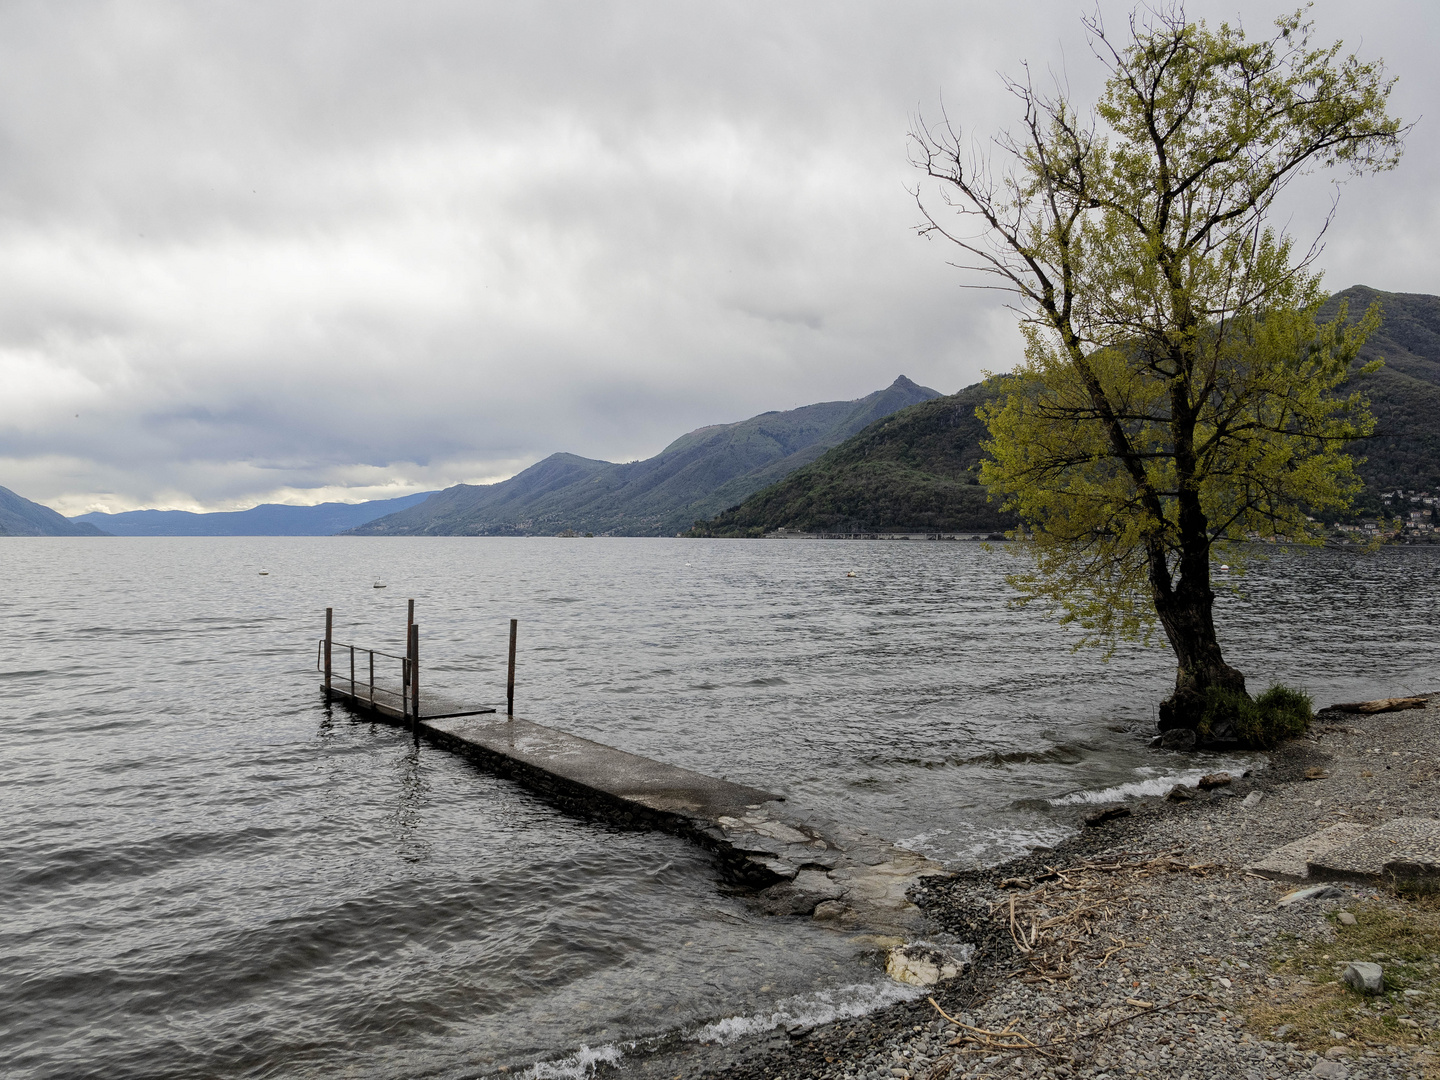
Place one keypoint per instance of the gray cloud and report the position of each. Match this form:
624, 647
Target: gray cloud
319, 250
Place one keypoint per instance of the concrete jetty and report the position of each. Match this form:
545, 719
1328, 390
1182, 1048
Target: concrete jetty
795, 862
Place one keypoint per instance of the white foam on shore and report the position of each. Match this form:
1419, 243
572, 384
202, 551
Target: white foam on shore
578, 1066
983, 846
922, 843
1153, 782
811, 1010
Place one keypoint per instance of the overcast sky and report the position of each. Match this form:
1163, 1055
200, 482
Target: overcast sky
304, 251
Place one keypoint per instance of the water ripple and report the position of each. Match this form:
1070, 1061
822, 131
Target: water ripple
207, 871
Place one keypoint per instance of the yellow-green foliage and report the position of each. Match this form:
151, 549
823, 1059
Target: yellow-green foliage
1268, 446
1177, 391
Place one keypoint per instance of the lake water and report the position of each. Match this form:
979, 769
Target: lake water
205, 870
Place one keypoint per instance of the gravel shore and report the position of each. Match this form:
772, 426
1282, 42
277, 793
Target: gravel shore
1142, 947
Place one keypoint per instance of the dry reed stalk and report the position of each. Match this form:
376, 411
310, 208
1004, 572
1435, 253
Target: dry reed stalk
1061, 912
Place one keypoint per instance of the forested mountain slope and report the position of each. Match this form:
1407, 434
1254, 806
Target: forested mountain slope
693, 477
1404, 395
916, 470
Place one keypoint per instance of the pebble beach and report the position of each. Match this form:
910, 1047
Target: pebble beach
1145, 946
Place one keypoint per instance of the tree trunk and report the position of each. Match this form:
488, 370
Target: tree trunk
1186, 606
1186, 616
1186, 612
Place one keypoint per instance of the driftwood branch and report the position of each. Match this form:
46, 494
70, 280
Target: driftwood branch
1379, 705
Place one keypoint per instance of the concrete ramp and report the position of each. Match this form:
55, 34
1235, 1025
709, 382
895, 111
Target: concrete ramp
592, 778
1402, 851
796, 862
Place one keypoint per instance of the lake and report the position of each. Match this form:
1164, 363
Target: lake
206, 870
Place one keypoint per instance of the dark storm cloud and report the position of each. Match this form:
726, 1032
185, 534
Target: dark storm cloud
317, 250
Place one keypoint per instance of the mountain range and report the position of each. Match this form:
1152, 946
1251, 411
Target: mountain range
694, 477
902, 459
917, 470
268, 519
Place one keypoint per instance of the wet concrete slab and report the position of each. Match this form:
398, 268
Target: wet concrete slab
1291, 861
1374, 856
629, 779
797, 862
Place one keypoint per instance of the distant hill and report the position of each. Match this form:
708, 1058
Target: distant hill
1404, 395
21, 517
916, 470
693, 477
268, 519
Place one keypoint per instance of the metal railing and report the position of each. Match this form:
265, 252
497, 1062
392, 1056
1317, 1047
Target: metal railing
409, 691
389, 694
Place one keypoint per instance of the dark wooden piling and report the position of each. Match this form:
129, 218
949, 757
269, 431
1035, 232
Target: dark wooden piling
415, 678
329, 636
510, 675
409, 622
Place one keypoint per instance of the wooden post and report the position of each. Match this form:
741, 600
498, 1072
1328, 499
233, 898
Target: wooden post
329, 627
352, 671
372, 678
510, 676
415, 678
409, 622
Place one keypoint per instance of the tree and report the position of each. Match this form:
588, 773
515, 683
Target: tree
1177, 392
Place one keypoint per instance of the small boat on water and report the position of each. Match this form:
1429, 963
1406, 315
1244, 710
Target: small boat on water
264, 573
377, 585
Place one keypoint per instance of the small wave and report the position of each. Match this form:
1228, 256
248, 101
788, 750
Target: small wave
987, 846
922, 842
1149, 785
1059, 754
70, 867
583, 1063
811, 1010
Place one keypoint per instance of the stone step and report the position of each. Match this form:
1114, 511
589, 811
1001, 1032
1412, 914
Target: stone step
1292, 861
1400, 850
